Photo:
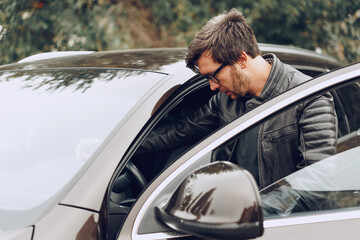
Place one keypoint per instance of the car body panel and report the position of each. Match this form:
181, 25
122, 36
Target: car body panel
17, 234
338, 225
67, 222
302, 59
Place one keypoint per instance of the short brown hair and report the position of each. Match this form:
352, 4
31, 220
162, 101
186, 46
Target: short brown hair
226, 37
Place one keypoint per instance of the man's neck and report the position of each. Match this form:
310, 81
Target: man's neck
261, 70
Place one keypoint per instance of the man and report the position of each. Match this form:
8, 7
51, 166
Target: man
226, 52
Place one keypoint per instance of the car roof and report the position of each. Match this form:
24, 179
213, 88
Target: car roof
302, 58
145, 59
160, 59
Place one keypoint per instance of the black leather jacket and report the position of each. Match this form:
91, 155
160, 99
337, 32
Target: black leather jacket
297, 137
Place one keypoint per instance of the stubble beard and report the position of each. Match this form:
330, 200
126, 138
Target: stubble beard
240, 83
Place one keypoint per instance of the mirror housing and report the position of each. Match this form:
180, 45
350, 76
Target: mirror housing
220, 200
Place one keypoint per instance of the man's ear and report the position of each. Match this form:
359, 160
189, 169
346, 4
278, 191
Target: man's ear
243, 60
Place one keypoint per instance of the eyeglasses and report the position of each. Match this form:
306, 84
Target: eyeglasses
212, 77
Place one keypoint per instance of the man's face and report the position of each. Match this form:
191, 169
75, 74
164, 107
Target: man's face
233, 81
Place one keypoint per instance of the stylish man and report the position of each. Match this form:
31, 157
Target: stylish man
226, 52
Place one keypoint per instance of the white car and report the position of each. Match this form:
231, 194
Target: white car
70, 127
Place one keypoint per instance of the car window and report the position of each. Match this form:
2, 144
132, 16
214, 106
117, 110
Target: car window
350, 96
349, 118
330, 184
343, 123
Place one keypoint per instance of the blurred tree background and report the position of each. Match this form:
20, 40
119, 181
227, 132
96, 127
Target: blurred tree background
33, 26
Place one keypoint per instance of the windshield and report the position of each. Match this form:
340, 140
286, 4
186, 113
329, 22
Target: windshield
52, 121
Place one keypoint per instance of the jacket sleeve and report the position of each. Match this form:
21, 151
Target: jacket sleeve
318, 130
191, 127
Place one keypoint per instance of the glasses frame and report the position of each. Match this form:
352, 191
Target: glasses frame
212, 77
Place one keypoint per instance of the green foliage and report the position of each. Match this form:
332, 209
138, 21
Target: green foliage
181, 19
330, 25
33, 26
30, 27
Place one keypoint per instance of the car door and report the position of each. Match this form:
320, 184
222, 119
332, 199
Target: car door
141, 223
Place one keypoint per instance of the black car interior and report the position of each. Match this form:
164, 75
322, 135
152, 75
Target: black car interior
142, 168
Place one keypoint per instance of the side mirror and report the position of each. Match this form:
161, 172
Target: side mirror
220, 200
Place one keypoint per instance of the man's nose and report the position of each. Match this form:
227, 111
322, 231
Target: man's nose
214, 86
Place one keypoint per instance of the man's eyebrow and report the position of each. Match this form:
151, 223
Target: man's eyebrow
211, 73
208, 74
